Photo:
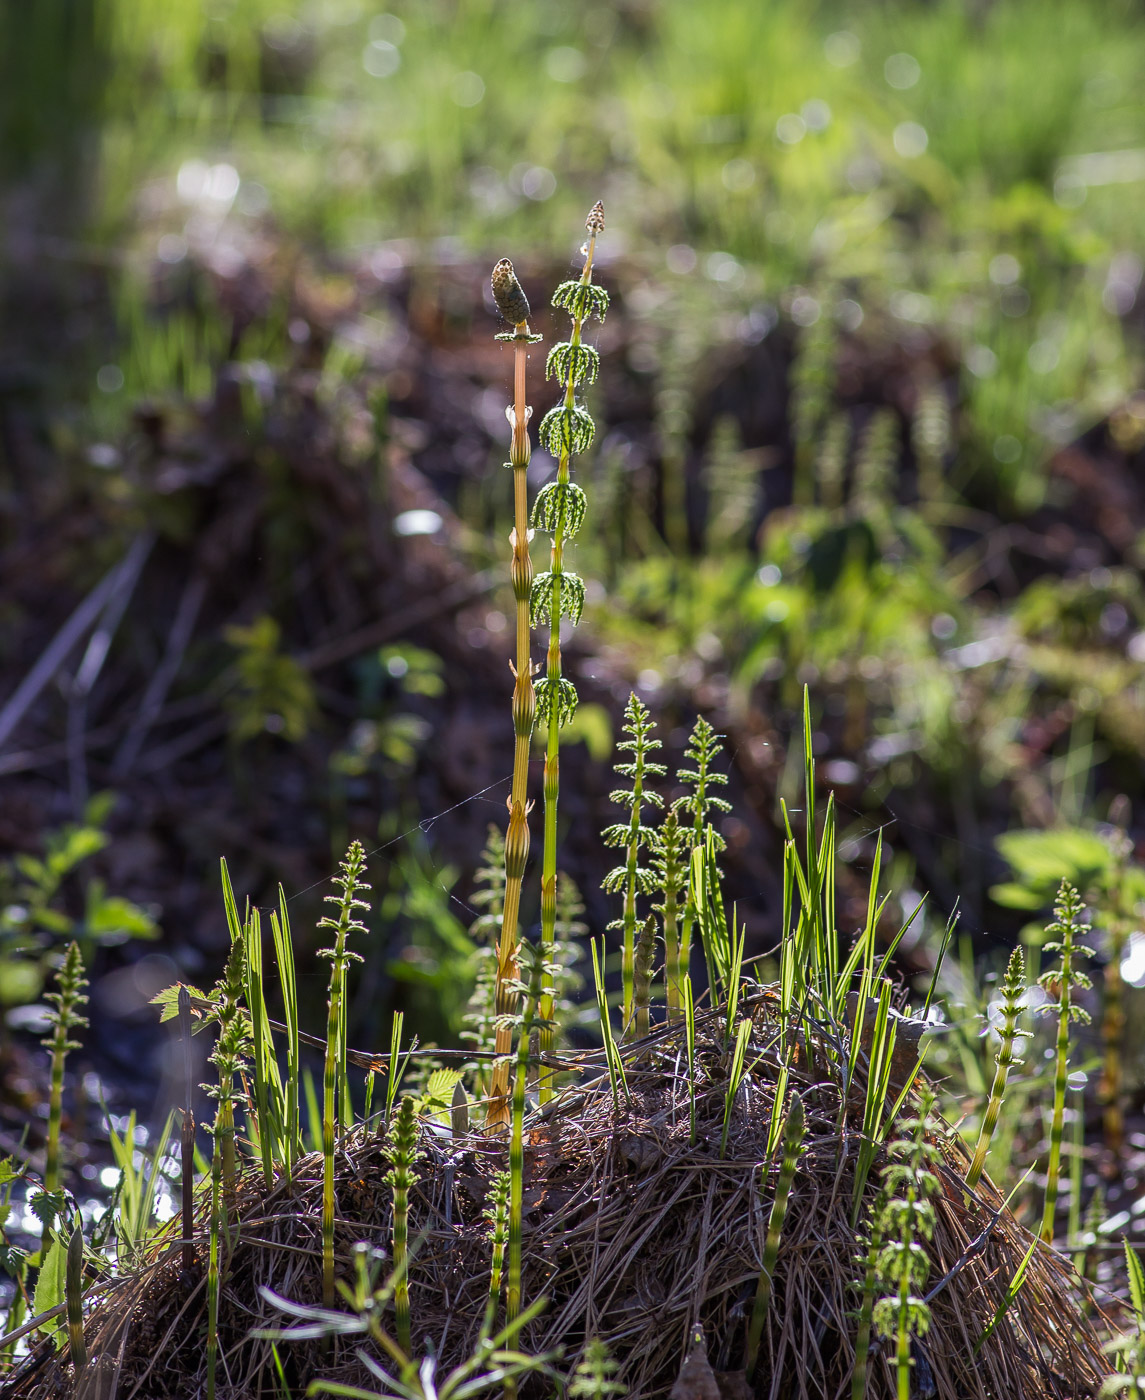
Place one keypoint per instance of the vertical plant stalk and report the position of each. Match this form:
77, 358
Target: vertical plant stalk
1118, 914
703, 747
642, 976
533, 994
566, 431
401, 1177
73, 1293
1062, 981
867, 1306
213, 1270
1013, 990
67, 998
514, 307
631, 878
792, 1146
497, 1214
284, 952
187, 1146
670, 865
350, 882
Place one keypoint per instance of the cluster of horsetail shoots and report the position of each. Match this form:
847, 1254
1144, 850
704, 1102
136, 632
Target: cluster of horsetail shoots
514, 307
1013, 997
403, 1156
1062, 982
566, 431
792, 1146
341, 956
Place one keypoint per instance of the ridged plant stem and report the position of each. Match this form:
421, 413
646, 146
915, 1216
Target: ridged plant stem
514, 306
1012, 991
553, 671
68, 998
403, 1155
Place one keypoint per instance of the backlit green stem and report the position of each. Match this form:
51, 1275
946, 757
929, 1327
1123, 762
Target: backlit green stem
73, 1289
1062, 980
1013, 989
68, 998
517, 1135
498, 1216
340, 956
403, 1150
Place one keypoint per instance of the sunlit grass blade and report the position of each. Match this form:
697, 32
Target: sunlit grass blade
735, 1076
284, 954
878, 1082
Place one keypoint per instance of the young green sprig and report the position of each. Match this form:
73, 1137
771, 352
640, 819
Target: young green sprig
350, 883
1013, 995
632, 878
703, 749
1061, 982
566, 431
67, 999
902, 1265
401, 1177
670, 866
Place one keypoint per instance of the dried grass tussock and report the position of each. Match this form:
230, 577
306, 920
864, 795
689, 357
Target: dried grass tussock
634, 1235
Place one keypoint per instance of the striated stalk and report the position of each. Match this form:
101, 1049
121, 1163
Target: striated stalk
68, 998
556, 714
792, 1146
73, 1291
498, 1217
642, 975
401, 1178
513, 305
1013, 989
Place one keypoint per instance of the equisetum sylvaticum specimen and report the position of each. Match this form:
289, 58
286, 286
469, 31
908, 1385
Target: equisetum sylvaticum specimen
1013, 994
566, 431
1061, 983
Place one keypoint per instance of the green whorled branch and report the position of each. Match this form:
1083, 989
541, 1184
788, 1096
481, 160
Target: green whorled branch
345, 923
642, 976
632, 879
704, 746
1062, 982
792, 1147
497, 1213
1013, 993
908, 1219
514, 307
67, 999
670, 866
401, 1177
566, 431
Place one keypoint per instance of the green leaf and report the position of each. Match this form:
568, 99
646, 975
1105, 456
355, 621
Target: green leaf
1014, 896
50, 1284
591, 725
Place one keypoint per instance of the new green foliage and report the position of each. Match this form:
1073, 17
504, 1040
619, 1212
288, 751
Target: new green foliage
345, 923
1062, 983
633, 879
566, 431
906, 1227
1013, 994
401, 1177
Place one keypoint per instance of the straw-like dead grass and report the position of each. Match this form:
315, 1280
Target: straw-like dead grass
633, 1235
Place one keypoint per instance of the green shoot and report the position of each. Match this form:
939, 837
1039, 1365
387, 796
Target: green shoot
514, 307
532, 993
908, 1220
735, 1078
595, 1375
1013, 992
1062, 981
67, 1000
615, 1063
566, 431
642, 976
792, 1146
187, 1145
401, 1176
690, 1038
631, 878
878, 1084
670, 866
870, 1261
284, 952
703, 748
350, 882
497, 1213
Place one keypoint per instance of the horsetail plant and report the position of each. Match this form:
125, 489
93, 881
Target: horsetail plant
595, 1374
514, 307
670, 866
187, 1146
284, 954
632, 878
908, 1219
401, 1177
532, 992
566, 431
792, 1147
497, 1213
1062, 982
642, 976
67, 1000
704, 746
349, 882
1013, 995
870, 1261
230, 1060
